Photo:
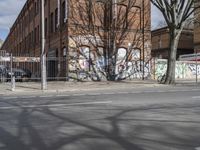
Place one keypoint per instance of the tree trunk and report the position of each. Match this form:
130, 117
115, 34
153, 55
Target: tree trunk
171, 65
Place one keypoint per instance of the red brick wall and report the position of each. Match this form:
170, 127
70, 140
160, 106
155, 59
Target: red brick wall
24, 38
160, 43
197, 31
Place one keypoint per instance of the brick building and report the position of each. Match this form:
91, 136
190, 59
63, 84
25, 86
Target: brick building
73, 27
160, 43
197, 31
1, 42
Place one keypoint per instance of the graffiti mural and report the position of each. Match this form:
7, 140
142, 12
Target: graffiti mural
195, 69
184, 69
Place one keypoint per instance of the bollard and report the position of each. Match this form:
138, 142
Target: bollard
13, 83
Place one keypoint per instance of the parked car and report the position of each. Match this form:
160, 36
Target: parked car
28, 72
19, 74
3, 73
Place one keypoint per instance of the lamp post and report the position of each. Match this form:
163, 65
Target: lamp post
43, 53
143, 39
12, 76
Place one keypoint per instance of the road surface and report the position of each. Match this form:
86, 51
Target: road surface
149, 119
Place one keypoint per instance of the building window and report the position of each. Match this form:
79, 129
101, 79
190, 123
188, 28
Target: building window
46, 26
136, 54
32, 39
35, 35
35, 8
38, 34
56, 19
38, 6
51, 23
63, 12
121, 54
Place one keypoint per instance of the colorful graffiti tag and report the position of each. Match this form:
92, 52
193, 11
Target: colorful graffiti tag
184, 69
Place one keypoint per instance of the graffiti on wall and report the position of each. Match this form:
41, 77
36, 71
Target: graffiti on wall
89, 64
184, 69
195, 69
134, 70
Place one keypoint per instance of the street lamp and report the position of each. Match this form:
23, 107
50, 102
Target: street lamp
143, 38
43, 53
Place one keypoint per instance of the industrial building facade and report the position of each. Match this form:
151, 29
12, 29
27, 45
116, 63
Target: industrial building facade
197, 29
77, 33
160, 43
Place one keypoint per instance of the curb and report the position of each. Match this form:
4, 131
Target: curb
75, 89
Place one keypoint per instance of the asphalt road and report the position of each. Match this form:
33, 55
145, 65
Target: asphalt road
149, 119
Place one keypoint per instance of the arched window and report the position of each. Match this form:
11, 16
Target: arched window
121, 54
136, 54
84, 52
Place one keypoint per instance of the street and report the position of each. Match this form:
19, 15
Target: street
149, 119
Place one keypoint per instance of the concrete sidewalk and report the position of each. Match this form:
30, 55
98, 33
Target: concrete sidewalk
26, 88
62, 86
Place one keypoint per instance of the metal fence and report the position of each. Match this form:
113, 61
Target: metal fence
84, 69
78, 69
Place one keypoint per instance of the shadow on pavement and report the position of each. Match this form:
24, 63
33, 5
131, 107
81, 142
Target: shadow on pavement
97, 128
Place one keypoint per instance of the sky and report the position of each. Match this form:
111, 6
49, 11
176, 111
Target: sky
9, 10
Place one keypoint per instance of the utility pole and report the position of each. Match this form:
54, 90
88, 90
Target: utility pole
143, 39
43, 52
67, 40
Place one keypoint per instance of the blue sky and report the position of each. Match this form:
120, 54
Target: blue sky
9, 9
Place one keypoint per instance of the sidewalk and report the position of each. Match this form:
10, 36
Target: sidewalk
25, 88
55, 87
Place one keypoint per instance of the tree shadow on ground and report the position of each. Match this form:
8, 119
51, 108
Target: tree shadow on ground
40, 129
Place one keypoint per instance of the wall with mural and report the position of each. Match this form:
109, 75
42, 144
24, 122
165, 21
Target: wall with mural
89, 66
184, 69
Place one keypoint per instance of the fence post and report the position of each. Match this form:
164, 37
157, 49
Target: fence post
13, 83
12, 74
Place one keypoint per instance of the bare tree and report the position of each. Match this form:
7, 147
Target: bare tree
106, 26
176, 14
196, 19
161, 24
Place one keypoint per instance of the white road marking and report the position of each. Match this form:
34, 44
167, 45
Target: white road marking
28, 97
10, 97
94, 94
195, 89
55, 105
123, 92
62, 95
196, 97
111, 93
44, 96
197, 148
78, 94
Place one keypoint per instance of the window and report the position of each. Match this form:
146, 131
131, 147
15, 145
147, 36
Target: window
63, 12
51, 23
38, 34
136, 54
56, 18
32, 39
121, 54
35, 35
46, 26
35, 8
